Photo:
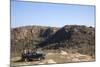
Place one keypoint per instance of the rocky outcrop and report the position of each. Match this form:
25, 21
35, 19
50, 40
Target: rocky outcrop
29, 37
79, 38
74, 37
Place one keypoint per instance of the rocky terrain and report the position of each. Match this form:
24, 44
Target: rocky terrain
74, 39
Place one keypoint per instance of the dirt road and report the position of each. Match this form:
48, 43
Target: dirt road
53, 58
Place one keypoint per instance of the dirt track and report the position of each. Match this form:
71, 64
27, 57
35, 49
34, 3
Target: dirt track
53, 58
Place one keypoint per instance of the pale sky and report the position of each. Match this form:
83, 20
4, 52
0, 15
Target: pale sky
47, 14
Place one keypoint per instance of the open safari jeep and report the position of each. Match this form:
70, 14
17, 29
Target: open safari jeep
30, 56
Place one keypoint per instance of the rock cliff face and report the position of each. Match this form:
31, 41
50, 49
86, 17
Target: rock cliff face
74, 37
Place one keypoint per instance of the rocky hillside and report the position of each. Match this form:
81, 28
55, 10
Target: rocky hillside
70, 37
